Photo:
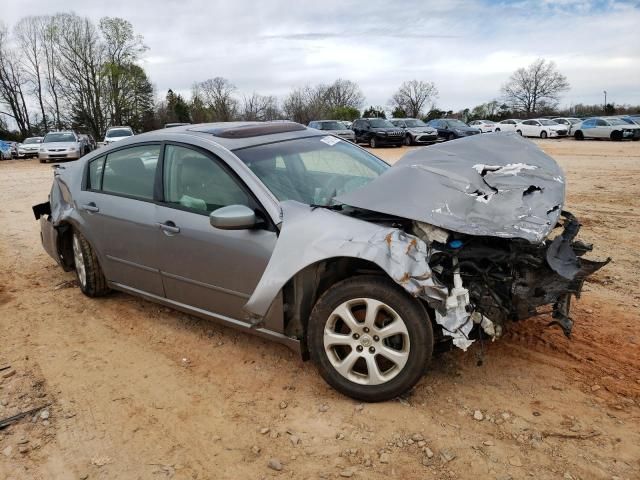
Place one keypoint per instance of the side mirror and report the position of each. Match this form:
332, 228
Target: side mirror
233, 217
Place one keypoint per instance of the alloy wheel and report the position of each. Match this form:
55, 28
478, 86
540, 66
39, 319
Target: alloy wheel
78, 259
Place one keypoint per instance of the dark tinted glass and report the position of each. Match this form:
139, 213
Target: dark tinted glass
131, 171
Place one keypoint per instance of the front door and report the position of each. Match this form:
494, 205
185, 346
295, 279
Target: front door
202, 266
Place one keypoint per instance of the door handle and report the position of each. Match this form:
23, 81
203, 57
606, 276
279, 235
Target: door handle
169, 227
91, 207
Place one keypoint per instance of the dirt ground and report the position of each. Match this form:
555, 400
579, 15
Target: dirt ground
139, 391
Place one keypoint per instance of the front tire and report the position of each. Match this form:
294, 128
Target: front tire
451, 136
543, 134
373, 143
88, 270
369, 339
519, 132
616, 136
578, 135
407, 140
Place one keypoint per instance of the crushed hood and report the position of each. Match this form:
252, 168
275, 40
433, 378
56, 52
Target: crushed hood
491, 185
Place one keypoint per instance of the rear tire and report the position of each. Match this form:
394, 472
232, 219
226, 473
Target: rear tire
348, 344
88, 270
497, 130
451, 136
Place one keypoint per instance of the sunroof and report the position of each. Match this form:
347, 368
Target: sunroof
252, 130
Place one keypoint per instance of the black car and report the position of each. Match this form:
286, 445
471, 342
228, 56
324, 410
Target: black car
451, 128
377, 132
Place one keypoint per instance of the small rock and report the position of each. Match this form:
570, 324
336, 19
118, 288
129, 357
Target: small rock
567, 476
339, 436
294, 439
22, 441
7, 451
100, 461
45, 423
4, 402
274, 464
575, 427
23, 448
367, 462
416, 437
273, 434
428, 452
477, 415
447, 455
385, 458
360, 407
595, 388
84, 476
44, 414
323, 408
255, 449
421, 443
9, 373
505, 415
515, 462
347, 473
264, 430
283, 405
488, 443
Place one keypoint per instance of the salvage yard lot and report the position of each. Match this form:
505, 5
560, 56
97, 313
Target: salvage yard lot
137, 390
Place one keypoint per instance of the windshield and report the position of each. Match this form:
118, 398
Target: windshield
615, 121
548, 123
121, 132
311, 170
331, 126
380, 123
32, 140
59, 137
415, 123
456, 123
573, 121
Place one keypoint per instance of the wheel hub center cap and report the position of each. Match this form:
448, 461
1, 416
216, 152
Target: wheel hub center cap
366, 340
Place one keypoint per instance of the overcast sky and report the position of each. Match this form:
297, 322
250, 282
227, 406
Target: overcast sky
467, 48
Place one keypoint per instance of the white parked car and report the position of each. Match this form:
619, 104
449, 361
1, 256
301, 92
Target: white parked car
612, 128
30, 147
485, 126
542, 128
569, 122
117, 133
508, 125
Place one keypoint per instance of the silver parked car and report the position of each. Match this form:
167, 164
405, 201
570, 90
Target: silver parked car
307, 239
65, 145
334, 127
416, 131
612, 128
30, 147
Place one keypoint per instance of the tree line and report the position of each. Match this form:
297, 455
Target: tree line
65, 71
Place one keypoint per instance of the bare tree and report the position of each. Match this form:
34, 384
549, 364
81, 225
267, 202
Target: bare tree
343, 93
306, 104
28, 34
217, 95
49, 42
81, 57
538, 84
12, 82
413, 96
256, 107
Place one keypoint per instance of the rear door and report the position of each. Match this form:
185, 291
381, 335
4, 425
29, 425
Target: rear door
204, 267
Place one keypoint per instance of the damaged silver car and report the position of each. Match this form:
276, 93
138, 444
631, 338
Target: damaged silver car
312, 241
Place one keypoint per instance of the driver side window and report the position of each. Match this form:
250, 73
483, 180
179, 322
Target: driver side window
195, 181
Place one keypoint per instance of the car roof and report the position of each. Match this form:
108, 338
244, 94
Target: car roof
236, 135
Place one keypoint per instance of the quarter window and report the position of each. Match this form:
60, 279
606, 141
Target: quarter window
95, 174
195, 181
131, 171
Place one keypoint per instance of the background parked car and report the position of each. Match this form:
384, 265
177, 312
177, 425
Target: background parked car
542, 128
612, 128
508, 125
568, 122
416, 131
630, 120
377, 132
451, 128
334, 127
115, 134
29, 148
485, 126
5, 150
65, 145
171, 125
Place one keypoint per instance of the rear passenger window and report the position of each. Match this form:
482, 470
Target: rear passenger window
131, 171
95, 174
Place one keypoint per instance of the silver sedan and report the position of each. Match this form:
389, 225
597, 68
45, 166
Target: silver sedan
301, 237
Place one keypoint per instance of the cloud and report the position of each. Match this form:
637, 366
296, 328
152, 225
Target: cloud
468, 48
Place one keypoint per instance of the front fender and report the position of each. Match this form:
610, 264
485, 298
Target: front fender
310, 235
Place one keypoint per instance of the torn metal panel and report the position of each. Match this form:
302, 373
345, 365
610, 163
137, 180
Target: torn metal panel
498, 185
310, 235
